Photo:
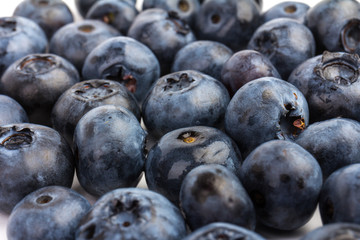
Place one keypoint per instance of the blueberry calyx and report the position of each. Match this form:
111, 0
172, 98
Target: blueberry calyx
173, 84
94, 91
119, 73
350, 35
291, 125
44, 199
37, 64
7, 26
180, 25
109, 18
86, 28
42, 2
189, 137
340, 68
290, 9
267, 43
183, 5
12, 138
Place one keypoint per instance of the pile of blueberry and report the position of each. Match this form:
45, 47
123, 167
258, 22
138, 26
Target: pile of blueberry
237, 118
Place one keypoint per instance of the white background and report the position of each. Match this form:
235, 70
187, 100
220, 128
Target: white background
6, 9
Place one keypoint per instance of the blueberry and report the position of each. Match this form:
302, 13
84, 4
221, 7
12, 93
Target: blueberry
109, 148
132, 213
284, 182
83, 6
15, 30
48, 213
244, 66
49, 14
86, 95
36, 81
183, 99
330, 83
204, 56
31, 157
231, 22
181, 150
265, 109
339, 196
163, 32
118, 14
288, 9
334, 143
186, 9
286, 42
335, 25
125, 60
11, 111
212, 193
75, 41
334, 231
220, 230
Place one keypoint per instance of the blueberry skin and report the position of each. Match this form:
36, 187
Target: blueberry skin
181, 150
244, 66
15, 30
118, 14
204, 56
330, 83
32, 156
36, 81
231, 22
132, 213
75, 41
83, 6
125, 60
11, 111
212, 193
284, 182
333, 206
163, 32
186, 9
109, 144
219, 230
335, 25
49, 14
48, 213
265, 109
183, 99
334, 143
286, 42
288, 9
334, 231
86, 95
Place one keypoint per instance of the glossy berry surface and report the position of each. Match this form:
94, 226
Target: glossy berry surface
31, 157
333, 206
330, 83
204, 56
334, 143
109, 144
163, 32
183, 99
126, 61
132, 213
244, 66
11, 111
284, 182
76, 40
265, 109
231, 22
50, 15
86, 95
118, 14
36, 81
212, 193
286, 42
183, 149
48, 213
14, 30
334, 231
221, 230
